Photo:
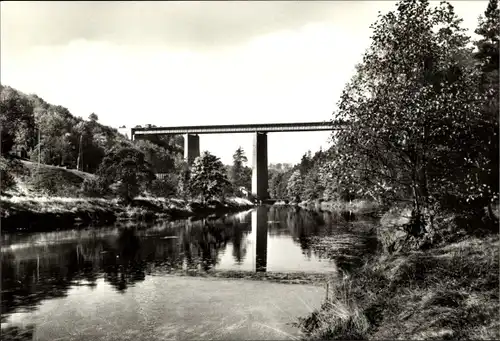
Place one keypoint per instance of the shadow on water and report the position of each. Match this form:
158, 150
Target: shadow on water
42, 266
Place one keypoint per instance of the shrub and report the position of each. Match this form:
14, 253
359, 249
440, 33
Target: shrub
94, 187
6, 180
44, 182
8, 170
165, 187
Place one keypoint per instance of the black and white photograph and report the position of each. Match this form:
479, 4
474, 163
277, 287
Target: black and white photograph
249, 170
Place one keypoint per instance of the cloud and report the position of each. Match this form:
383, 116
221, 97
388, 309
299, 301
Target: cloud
184, 24
177, 63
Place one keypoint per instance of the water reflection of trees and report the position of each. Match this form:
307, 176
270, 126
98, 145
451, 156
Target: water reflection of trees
124, 266
124, 258
37, 272
28, 279
203, 241
302, 225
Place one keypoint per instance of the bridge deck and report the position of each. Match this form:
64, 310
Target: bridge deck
239, 128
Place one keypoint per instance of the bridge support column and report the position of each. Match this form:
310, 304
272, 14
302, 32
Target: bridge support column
191, 148
259, 171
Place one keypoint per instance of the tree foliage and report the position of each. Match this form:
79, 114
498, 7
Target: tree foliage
7, 181
422, 113
487, 59
295, 186
30, 126
17, 122
208, 178
126, 167
410, 107
158, 156
165, 187
239, 174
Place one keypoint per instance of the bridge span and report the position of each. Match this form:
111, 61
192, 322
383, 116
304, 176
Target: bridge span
259, 169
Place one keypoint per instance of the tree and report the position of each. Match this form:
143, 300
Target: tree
126, 167
410, 108
91, 151
313, 186
487, 57
240, 175
208, 177
17, 122
306, 163
295, 186
166, 186
159, 157
58, 143
274, 177
93, 117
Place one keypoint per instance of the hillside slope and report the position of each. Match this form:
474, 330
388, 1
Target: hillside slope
32, 179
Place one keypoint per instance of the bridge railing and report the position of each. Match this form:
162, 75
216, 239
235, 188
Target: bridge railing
241, 128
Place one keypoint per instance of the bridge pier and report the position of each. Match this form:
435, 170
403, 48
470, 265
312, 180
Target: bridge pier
259, 171
191, 147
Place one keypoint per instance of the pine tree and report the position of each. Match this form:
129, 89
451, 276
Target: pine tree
239, 174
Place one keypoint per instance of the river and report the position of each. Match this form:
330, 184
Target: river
122, 282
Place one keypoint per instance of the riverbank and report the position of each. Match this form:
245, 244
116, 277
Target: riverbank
448, 290
31, 213
316, 279
357, 207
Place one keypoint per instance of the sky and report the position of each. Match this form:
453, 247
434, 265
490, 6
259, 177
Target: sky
189, 63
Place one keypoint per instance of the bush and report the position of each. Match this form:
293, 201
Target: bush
165, 187
44, 182
94, 187
6, 180
8, 169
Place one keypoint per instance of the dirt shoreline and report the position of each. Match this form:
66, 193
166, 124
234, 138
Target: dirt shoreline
316, 279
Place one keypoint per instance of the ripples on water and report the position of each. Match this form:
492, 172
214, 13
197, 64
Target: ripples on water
43, 266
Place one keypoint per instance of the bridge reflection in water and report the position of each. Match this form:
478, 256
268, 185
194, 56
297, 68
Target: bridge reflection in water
259, 225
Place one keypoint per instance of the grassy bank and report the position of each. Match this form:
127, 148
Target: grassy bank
448, 291
31, 213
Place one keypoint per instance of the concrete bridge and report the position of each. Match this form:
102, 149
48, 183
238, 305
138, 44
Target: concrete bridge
259, 170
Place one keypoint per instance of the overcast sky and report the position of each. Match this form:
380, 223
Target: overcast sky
185, 63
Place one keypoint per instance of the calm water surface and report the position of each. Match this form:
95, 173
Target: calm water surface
117, 283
